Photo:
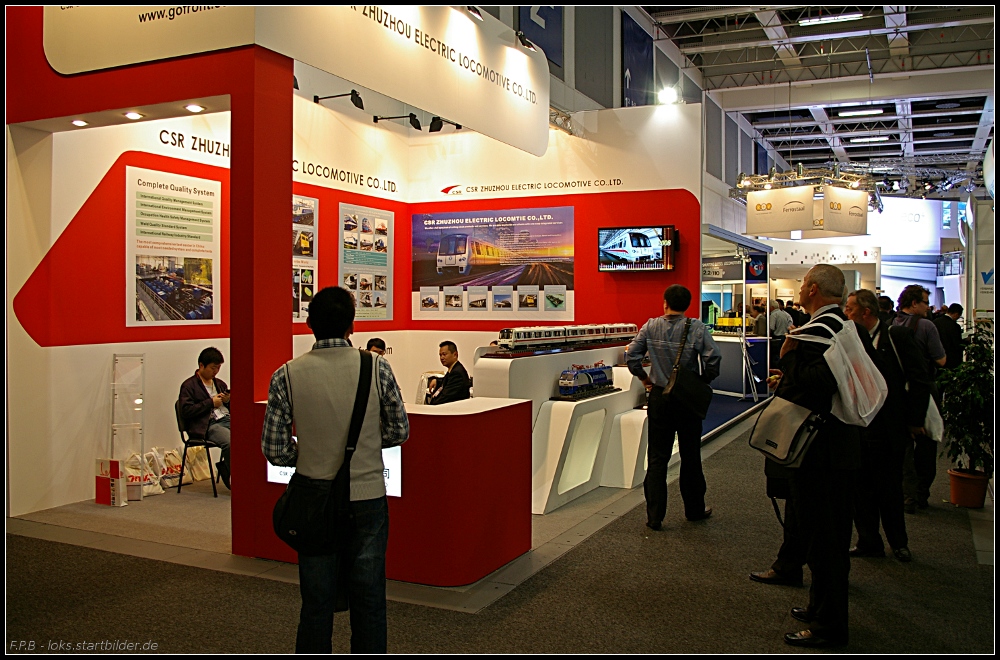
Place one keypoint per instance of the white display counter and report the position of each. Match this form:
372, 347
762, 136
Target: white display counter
570, 439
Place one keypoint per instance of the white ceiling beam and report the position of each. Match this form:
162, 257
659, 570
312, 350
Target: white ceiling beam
932, 84
829, 132
771, 22
829, 36
982, 133
899, 42
670, 17
903, 110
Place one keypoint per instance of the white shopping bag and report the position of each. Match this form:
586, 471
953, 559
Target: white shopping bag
139, 473
861, 388
172, 463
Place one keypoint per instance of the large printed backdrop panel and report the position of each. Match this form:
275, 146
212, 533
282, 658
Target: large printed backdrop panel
77, 295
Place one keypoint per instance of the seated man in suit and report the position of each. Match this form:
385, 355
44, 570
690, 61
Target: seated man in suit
455, 384
205, 406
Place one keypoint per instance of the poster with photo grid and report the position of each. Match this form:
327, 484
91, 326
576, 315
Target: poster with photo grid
305, 257
366, 246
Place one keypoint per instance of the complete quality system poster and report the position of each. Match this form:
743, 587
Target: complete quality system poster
172, 253
512, 264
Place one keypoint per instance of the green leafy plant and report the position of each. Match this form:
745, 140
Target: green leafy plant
967, 405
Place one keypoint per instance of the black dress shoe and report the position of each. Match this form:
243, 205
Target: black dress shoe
223, 469
858, 552
807, 639
770, 577
902, 554
705, 514
656, 527
801, 614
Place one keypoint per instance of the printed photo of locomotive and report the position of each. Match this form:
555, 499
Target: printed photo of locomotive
585, 380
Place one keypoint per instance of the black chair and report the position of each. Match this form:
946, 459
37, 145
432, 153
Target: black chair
190, 441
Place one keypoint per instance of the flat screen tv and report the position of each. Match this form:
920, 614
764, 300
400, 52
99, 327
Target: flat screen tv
636, 249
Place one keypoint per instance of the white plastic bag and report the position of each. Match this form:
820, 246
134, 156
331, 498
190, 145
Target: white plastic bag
172, 463
139, 471
861, 388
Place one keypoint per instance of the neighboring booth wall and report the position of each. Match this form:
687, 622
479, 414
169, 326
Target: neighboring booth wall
64, 328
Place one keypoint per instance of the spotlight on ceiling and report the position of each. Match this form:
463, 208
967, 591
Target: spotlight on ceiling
133, 115
194, 107
437, 123
79, 122
874, 138
895, 185
668, 95
524, 41
474, 12
414, 122
355, 98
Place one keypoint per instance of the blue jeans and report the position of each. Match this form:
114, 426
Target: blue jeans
318, 586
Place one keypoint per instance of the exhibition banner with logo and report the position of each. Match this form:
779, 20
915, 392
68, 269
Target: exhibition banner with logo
515, 264
845, 211
172, 253
722, 269
777, 212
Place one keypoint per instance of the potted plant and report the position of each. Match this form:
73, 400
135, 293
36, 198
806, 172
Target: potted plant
967, 410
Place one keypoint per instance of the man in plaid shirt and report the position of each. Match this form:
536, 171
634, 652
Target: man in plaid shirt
316, 392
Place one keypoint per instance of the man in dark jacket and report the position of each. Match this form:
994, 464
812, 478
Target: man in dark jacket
818, 508
204, 403
879, 493
951, 335
456, 384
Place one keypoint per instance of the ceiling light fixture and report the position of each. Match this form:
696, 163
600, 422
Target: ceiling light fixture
133, 115
194, 107
838, 18
355, 98
860, 113
414, 122
524, 41
668, 95
474, 12
876, 138
79, 122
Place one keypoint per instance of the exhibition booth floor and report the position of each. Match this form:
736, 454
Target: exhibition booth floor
194, 529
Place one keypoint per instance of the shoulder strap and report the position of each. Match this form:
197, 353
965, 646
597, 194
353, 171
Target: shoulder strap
288, 388
360, 405
684, 338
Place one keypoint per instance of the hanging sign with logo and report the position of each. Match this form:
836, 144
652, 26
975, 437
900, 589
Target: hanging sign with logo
756, 268
777, 212
845, 211
474, 72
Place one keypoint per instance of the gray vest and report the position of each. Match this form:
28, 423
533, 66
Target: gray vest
323, 384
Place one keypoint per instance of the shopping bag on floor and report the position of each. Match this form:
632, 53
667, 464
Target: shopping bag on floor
140, 473
197, 463
172, 469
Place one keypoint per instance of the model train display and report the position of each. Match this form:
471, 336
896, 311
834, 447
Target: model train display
583, 379
528, 338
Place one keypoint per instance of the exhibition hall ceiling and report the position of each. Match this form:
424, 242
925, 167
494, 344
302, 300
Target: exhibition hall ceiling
923, 74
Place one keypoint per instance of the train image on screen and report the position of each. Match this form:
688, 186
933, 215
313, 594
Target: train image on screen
464, 252
631, 245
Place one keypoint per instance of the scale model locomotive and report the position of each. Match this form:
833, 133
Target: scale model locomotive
581, 379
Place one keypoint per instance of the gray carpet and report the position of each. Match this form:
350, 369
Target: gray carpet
684, 590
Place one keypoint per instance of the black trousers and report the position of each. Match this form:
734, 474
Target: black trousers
919, 468
878, 495
822, 503
792, 553
667, 419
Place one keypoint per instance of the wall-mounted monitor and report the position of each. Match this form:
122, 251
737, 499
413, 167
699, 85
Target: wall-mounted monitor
636, 249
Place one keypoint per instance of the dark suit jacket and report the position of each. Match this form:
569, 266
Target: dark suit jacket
197, 406
453, 387
951, 338
902, 408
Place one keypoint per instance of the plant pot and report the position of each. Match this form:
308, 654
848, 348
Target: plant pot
968, 489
